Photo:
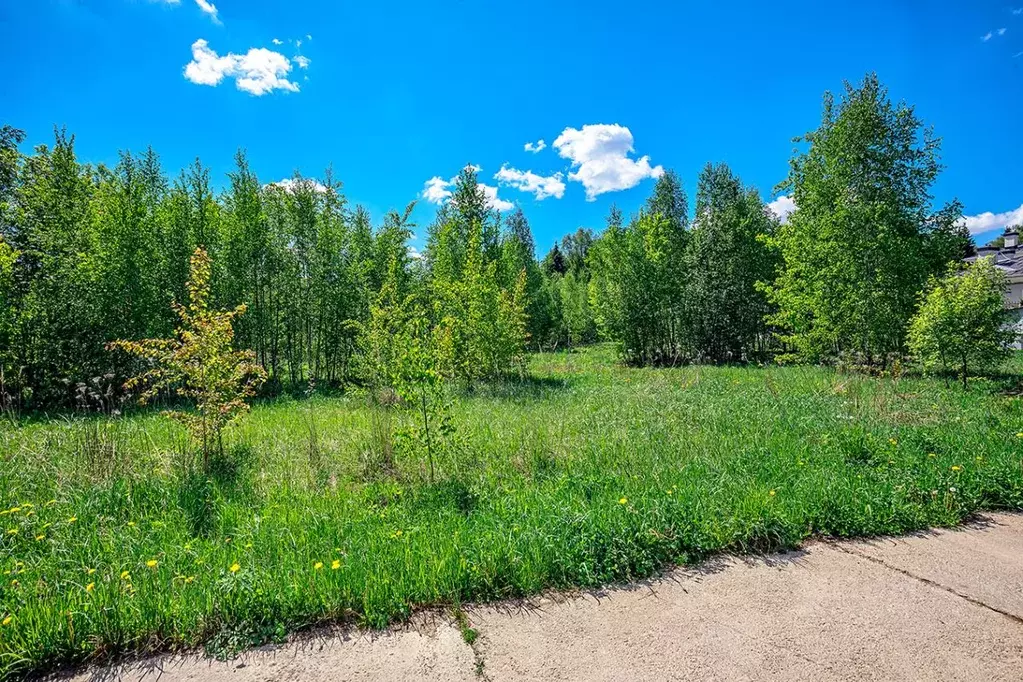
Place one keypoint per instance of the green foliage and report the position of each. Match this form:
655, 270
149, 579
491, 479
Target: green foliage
862, 240
199, 364
638, 284
727, 257
961, 324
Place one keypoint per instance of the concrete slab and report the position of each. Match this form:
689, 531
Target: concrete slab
826, 613
429, 651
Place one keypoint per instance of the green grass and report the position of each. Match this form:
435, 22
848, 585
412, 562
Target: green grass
587, 473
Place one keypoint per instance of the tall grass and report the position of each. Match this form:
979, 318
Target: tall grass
587, 472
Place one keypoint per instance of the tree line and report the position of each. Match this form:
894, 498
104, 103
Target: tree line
94, 254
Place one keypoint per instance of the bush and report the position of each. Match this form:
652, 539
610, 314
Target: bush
961, 323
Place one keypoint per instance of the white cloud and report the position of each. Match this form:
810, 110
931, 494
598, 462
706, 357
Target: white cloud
528, 181
987, 221
493, 201
308, 36
782, 207
290, 184
414, 253
535, 147
437, 191
257, 72
277, 41
600, 153
303, 62
1002, 31
210, 9
987, 36
1018, 11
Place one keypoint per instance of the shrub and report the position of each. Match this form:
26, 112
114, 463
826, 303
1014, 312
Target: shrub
961, 321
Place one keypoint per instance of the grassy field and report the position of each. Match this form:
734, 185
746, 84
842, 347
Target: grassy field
588, 472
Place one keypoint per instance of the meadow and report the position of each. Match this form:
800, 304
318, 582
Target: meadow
585, 472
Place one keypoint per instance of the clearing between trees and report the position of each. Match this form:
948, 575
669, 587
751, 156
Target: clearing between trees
585, 472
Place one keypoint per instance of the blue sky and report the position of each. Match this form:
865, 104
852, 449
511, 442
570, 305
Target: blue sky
397, 96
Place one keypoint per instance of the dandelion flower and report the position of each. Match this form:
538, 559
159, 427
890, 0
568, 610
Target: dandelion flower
235, 567
1019, 435
90, 587
12, 531
318, 565
151, 563
14, 583
15, 510
189, 579
623, 500
125, 575
335, 564
41, 536
893, 441
931, 454
956, 467
7, 620
72, 519
772, 493
131, 524
90, 571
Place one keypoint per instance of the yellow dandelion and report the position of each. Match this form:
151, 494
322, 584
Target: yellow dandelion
335, 564
956, 467
90, 587
670, 492
1019, 435
7, 620
235, 567
189, 579
125, 575
318, 565
772, 493
50, 503
12, 531
397, 533
14, 583
931, 454
131, 524
72, 519
623, 500
15, 510
90, 571
151, 563
41, 536
893, 441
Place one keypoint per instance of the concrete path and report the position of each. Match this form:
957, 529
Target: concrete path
945, 605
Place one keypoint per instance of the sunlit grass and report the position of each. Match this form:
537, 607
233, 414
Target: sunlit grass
586, 473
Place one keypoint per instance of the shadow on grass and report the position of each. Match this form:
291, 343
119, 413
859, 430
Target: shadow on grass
513, 387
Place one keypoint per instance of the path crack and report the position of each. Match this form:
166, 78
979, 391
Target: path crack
927, 581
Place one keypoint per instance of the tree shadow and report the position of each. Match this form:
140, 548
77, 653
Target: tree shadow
513, 387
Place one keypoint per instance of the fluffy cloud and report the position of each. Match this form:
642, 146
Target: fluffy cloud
277, 41
600, 155
782, 207
257, 72
985, 222
535, 147
528, 181
290, 184
210, 9
437, 191
303, 62
493, 201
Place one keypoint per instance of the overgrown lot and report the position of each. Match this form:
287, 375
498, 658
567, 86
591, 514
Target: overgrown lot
584, 473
